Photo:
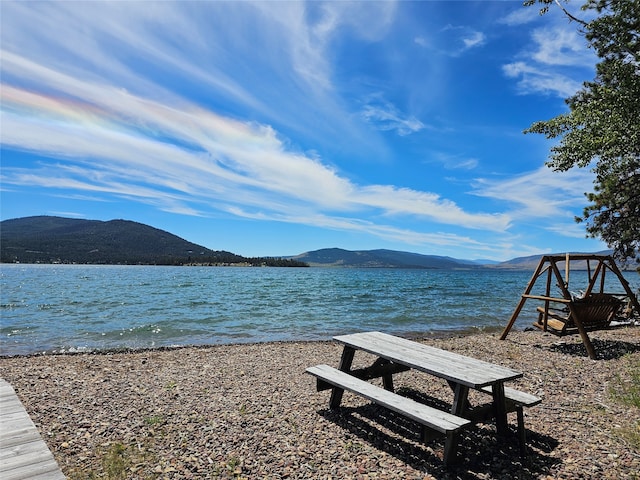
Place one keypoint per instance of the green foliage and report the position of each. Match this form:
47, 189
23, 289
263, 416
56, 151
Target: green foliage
116, 462
602, 128
154, 420
626, 391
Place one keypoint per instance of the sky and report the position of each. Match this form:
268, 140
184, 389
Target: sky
274, 128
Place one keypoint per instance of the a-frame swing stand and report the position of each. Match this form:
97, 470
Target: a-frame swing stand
549, 265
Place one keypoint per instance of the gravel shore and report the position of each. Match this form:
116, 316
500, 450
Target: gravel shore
250, 411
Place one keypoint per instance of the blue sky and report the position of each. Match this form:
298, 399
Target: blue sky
275, 128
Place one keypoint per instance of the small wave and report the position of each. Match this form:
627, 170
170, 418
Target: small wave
11, 306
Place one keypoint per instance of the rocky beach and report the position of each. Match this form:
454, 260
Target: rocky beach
250, 411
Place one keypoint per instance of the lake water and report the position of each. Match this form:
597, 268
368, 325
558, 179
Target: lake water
62, 308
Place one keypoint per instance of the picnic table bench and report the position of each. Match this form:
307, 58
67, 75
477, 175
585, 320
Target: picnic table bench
395, 354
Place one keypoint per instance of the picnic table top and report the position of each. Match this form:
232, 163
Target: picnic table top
444, 364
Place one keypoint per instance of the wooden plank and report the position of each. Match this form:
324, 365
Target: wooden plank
544, 297
432, 354
17, 436
553, 326
377, 370
24, 447
516, 396
23, 453
432, 417
448, 365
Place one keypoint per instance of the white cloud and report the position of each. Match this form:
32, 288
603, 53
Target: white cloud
520, 16
561, 47
385, 119
568, 229
262, 54
456, 162
385, 231
456, 40
474, 39
452, 40
422, 41
556, 61
117, 134
101, 100
542, 193
386, 116
69, 214
467, 164
182, 158
534, 79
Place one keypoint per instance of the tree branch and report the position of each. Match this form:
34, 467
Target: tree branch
571, 17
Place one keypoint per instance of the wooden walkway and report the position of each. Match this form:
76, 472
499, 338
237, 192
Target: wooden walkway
23, 453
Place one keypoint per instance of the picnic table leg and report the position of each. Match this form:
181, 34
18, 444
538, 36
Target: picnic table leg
345, 365
460, 399
387, 379
459, 407
500, 408
522, 434
450, 448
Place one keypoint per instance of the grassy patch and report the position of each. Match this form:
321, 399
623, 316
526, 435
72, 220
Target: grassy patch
154, 420
118, 462
625, 389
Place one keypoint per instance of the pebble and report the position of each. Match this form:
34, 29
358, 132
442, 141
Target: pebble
249, 411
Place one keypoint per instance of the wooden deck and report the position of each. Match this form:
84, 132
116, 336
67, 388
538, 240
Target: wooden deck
23, 452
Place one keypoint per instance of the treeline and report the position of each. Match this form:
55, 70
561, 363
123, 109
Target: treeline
13, 255
247, 262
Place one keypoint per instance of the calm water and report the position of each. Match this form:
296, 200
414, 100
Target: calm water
47, 308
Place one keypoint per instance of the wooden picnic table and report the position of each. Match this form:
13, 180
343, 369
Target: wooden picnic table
395, 354
461, 372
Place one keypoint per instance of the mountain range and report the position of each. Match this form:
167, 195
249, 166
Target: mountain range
337, 257
49, 239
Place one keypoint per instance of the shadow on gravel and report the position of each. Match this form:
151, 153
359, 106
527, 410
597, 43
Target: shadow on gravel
481, 454
605, 349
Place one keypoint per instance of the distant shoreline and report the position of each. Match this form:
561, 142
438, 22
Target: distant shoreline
475, 268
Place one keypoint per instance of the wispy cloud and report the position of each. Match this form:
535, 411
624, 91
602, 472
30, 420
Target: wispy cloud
182, 158
421, 40
542, 193
520, 16
556, 62
69, 214
456, 162
568, 229
561, 47
473, 39
147, 102
452, 40
534, 79
385, 116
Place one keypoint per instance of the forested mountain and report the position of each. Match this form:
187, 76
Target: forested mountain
46, 239
337, 257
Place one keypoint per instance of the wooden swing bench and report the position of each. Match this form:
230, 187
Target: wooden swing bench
595, 312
